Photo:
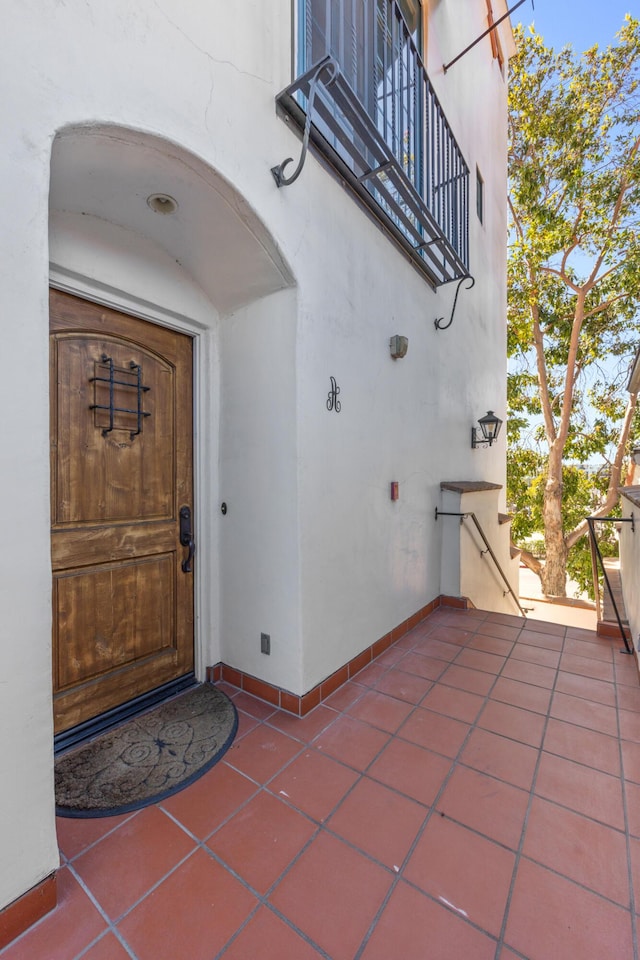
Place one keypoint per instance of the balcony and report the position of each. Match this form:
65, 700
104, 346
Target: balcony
364, 100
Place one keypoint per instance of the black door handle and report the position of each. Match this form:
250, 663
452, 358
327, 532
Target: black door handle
186, 538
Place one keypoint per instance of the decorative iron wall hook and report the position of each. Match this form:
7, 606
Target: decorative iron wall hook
332, 67
439, 325
332, 397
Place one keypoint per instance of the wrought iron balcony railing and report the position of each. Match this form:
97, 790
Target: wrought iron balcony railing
365, 101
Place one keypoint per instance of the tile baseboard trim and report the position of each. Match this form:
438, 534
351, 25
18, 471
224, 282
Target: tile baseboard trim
28, 909
301, 705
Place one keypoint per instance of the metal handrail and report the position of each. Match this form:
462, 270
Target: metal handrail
489, 550
596, 557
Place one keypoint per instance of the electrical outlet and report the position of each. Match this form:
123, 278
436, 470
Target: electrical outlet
265, 643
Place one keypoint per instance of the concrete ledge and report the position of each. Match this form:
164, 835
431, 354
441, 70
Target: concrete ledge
28, 909
469, 486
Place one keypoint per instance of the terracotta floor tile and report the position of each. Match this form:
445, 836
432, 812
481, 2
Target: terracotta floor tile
577, 923
585, 713
210, 905
246, 723
493, 644
480, 660
454, 703
75, 834
314, 784
453, 865
500, 631
411, 770
530, 673
262, 753
634, 846
378, 821
332, 893
509, 721
500, 757
421, 665
306, 728
539, 655
535, 639
587, 688
403, 686
64, 932
626, 667
385, 713
391, 656
507, 618
583, 789
629, 725
352, 741
587, 667
485, 804
451, 634
631, 760
267, 937
370, 675
251, 705
472, 681
125, 865
437, 649
629, 698
434, 731
347, 694
582, 850
523, 695
107, 948
262, 840
210, 800
544, 626
413, 927
632, 791
593, 649
584, 746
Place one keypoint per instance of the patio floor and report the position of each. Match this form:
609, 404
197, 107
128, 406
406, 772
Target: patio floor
474, 793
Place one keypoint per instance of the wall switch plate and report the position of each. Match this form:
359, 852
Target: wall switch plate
265, 643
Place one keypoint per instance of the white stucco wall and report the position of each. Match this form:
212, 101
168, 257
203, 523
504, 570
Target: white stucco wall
311, 550
630, 561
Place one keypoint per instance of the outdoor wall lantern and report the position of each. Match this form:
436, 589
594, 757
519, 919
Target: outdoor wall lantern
398, 347
490, 426
635, 455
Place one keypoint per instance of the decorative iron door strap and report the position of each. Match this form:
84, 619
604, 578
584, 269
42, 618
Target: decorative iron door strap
111, 380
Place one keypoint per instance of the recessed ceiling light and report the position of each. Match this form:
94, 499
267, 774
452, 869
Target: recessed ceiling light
162, 203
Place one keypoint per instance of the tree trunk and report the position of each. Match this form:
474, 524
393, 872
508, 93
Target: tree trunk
554, 574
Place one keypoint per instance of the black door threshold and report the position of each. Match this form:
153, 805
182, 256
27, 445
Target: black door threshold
97, 725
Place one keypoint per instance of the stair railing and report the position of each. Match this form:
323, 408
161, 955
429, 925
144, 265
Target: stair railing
488, 549
597, 560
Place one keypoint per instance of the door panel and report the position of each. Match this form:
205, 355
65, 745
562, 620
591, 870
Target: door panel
121, 468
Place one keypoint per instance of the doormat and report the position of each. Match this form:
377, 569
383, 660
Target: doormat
148, 758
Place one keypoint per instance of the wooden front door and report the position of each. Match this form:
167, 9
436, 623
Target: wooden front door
121, 470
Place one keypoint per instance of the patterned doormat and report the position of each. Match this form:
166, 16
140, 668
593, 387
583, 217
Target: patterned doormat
148, 758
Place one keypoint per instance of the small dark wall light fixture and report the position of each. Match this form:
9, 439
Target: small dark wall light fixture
398, 347
635, 454
490, 426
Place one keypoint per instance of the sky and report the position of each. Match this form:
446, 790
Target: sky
578, 22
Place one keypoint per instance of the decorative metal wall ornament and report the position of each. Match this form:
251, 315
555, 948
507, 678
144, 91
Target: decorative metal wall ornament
331, 66
112, 382
439, 325
332, 397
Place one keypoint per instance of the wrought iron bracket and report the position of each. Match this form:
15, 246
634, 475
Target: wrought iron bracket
438, 324
332, 397
333, 69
